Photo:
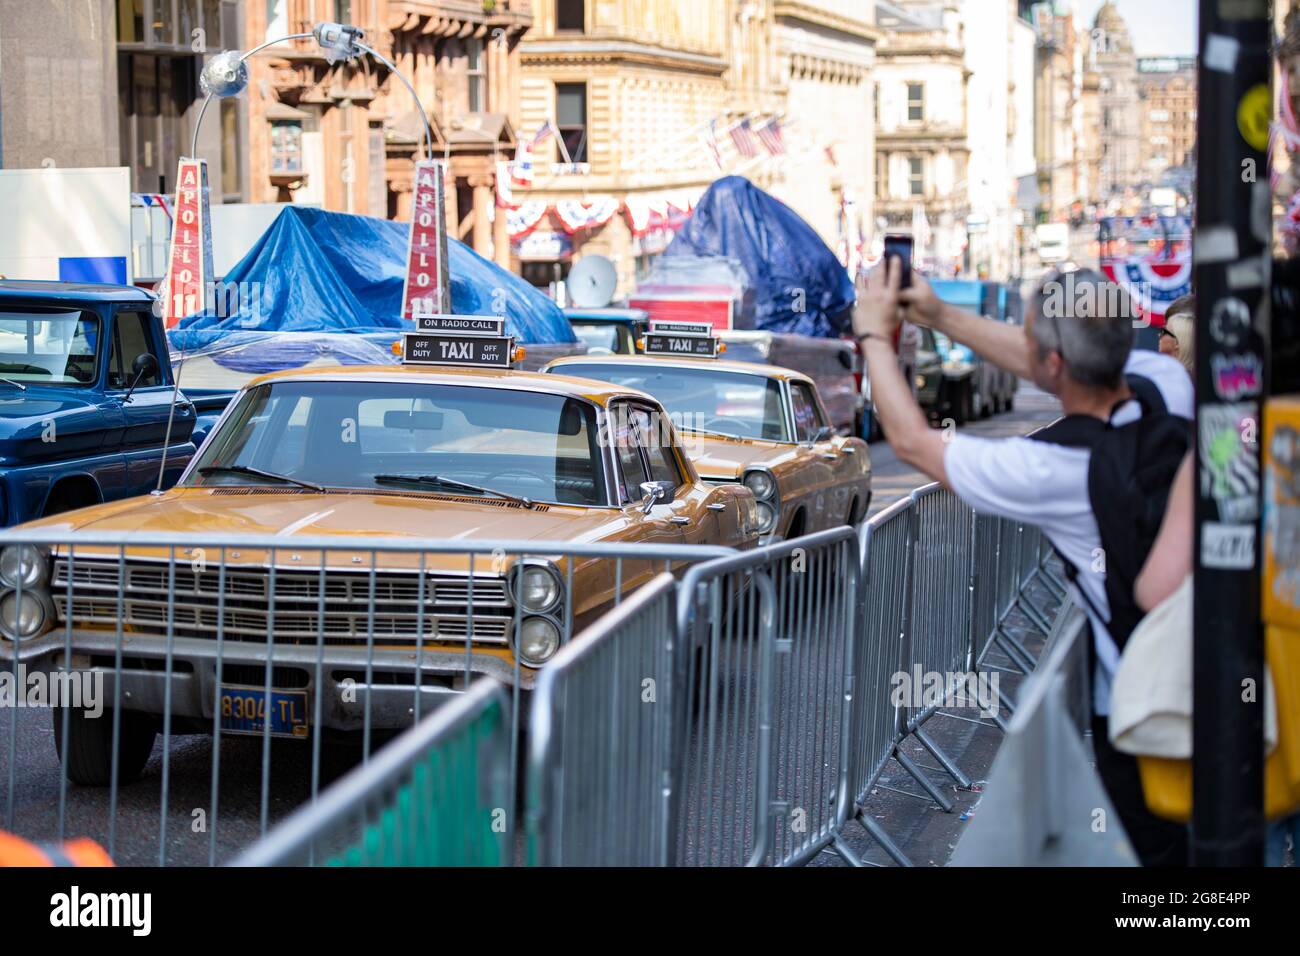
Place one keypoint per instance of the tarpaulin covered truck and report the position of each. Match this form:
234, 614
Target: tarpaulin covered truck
326, 288
750, 266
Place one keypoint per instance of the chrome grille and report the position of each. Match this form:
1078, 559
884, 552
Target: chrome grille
348, 617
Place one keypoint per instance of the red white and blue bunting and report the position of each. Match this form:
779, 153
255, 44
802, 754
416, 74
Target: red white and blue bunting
576, 215
524, 219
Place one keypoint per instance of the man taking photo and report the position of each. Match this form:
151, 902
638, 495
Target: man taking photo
1096, 482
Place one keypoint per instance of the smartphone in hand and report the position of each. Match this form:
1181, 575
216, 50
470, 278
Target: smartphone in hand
901, 248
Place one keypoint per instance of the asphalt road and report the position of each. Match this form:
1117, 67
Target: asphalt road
33, 805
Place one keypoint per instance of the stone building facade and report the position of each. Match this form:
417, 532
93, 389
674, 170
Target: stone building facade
655, 99
345, 136
1112, 58
922, 148
1167, 99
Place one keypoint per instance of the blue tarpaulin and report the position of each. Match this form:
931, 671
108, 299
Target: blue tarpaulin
797, 283
325, 272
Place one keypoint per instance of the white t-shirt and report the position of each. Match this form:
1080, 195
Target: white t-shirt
1047, 485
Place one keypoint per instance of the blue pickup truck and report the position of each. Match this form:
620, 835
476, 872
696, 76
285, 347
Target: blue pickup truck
86, 389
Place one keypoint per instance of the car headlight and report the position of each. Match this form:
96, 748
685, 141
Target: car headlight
537, 587
766, 518
23, 564
22, 617
761, 484
539, 639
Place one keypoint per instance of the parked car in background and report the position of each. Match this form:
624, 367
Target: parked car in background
86, 397
833, 363
760, 425
971, 388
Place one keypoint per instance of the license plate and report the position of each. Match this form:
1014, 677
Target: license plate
244, 711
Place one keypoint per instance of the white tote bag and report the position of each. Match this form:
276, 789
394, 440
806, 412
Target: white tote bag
1151, 698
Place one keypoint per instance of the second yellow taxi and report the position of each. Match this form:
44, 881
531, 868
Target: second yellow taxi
760, 425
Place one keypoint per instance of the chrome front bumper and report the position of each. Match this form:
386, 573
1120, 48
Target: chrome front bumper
194, 681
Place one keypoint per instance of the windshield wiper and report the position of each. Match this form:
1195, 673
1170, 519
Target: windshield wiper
450, 483
259, 473
18, 385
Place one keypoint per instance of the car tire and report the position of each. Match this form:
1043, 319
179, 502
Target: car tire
89, 744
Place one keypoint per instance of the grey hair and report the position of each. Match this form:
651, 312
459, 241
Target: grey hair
1088, 321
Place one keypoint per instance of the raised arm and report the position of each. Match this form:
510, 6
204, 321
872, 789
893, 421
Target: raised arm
1001, 343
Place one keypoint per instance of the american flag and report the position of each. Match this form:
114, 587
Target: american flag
711, 140
544, 132
769, 134
742, 134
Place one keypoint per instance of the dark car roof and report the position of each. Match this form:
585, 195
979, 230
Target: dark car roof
94, 291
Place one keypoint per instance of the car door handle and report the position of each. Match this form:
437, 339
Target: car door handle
849, 450
679, 519
717, 507
830, 456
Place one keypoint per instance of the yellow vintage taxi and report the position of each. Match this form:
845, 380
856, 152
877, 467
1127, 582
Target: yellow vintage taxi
409, 454
760, 425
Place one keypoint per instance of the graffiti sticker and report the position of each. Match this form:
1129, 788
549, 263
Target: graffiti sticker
1229, 463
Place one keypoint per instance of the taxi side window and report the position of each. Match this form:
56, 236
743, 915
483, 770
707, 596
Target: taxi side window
806, 415
631, 466
652, 433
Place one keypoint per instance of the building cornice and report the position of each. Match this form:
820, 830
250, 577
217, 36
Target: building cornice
801, 12
584, 51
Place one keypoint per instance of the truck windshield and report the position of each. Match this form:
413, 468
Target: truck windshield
704, 399
521, 444
53, 348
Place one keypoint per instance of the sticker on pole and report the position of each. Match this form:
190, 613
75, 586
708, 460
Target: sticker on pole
189, 266
427, 287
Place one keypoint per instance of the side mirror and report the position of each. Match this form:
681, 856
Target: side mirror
825, 433
656, 493
144, 365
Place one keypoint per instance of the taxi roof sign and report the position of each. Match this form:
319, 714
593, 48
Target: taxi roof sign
475, 341
699, 329
494, 325
692, 339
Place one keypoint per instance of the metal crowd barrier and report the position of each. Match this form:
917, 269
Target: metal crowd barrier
602, 712
438, 795
189, 634
741, 716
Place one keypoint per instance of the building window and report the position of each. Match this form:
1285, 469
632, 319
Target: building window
875, 103
286, 148
571, 118
476, 72
916, 176
571, 15
232, 149
882, 176
342, 11
915, 102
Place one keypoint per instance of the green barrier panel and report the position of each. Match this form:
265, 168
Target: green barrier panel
437, 795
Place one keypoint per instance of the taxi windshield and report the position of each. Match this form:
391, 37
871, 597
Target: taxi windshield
484, 442
50, 348
736, 404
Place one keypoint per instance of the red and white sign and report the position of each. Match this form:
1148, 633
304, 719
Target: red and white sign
427, 290
714, 307
190, 263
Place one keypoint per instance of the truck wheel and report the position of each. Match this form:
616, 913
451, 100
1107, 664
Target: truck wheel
90, 745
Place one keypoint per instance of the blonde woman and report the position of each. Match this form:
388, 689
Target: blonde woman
1180, 327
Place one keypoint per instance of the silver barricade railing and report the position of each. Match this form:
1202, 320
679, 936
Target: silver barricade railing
940, 622
600, 736
720, 808
816, 579
438, 795
886, 549
783, 618
180, 634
